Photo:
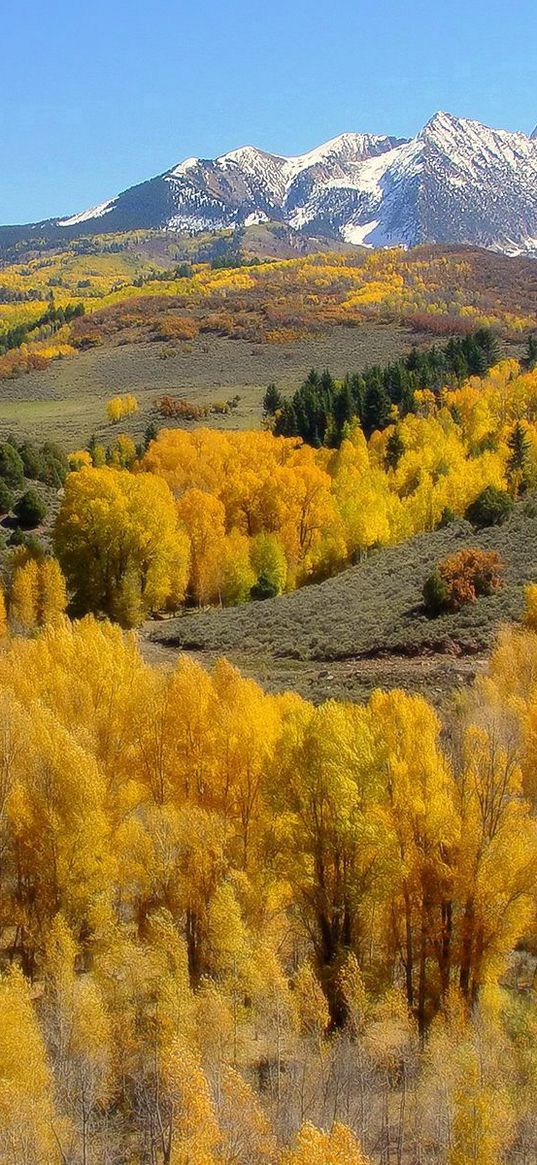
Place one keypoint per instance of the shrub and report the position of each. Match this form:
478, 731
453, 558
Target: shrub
264, 588
435, 594
11, 466
185, 410
55, 465
447, 517
461, 579
30, 542
6, 498
32, 460
490, 508
30, 509
176, 328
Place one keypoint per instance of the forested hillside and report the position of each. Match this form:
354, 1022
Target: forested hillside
230, 921
211, 518
138, 285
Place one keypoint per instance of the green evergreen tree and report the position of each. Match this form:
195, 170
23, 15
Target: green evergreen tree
150, 434
530, 359
272, 400
519, 447
376, 409
395, 448
343, 410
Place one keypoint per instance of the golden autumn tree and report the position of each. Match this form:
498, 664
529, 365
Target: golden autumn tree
119, 407
187, 1118
498, 853
202, 516
24, 595
27, 1116
52, 600
324, 792
315, 1147
119, 545
3, 613
423, 827
78, 1032
482, 1118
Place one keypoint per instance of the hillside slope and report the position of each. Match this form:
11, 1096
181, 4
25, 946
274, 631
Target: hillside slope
366, 627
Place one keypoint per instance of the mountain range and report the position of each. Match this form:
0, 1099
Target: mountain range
456, 181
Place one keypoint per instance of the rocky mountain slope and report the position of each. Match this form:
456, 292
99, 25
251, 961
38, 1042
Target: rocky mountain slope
456, 181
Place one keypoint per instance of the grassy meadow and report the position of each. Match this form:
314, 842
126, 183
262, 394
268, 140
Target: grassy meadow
66, 402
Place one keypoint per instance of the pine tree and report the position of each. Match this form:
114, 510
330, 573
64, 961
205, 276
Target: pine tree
272, 400
376, 408
395, 448
344, 410
519, 447
530, 360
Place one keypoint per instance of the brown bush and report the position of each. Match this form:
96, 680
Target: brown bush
171, 406
438, 325
462, 578
177, 328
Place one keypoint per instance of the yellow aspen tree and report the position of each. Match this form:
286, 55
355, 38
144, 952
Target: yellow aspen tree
324, 789
187, 1120
423, 826
245, 1132
78, 1034
116, 530
482, 1125
497, 866
315, 1147
24, 595
27, 1117
52, 600
3, 614
310, 1002
237, 575
203, 518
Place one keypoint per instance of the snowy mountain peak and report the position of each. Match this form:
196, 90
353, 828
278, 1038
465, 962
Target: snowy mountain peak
246, 156
456, 181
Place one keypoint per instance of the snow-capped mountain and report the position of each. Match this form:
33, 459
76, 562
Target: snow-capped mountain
457, 181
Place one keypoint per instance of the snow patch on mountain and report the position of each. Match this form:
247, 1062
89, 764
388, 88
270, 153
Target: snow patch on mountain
257, 217
359, 234
87, 215
183, 168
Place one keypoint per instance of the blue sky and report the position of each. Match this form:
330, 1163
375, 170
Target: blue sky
98, 96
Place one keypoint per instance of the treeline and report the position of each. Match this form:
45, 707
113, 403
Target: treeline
53, 318
221, 517
319, 410
231, 920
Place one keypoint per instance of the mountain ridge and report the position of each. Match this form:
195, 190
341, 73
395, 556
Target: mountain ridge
456, 181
